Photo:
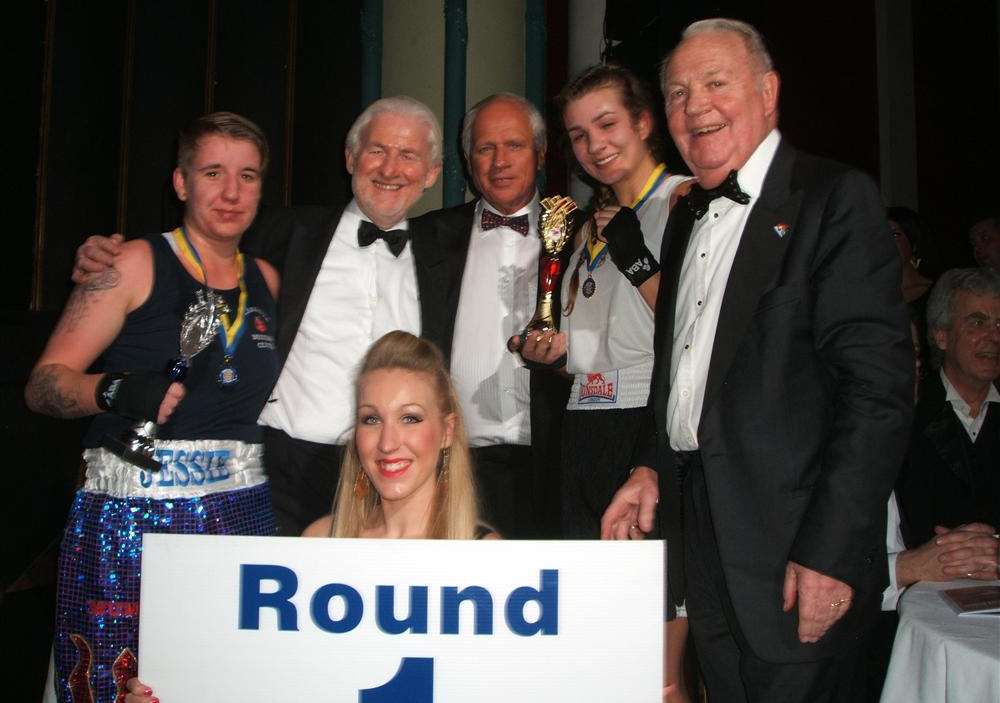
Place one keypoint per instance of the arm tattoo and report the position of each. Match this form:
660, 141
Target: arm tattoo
44, 395
109, 278
80, 301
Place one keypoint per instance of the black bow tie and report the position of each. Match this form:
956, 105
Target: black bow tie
395, 239
490, 220
699, 198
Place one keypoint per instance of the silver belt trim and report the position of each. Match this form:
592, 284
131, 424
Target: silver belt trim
217, 466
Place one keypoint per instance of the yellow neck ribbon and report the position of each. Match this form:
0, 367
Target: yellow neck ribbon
231, 330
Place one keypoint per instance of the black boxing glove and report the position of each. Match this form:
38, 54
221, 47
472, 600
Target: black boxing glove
628, 249
136, 395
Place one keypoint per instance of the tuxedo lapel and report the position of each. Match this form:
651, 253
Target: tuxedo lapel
676, 236
432, 284
456, 234
306, 251
758, 258
440, 241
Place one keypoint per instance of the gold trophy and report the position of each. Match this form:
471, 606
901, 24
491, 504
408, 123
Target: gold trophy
553, 229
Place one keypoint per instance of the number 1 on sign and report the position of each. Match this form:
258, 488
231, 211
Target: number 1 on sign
413, 683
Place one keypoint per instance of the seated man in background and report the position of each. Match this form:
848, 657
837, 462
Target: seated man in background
951, 476
984, 236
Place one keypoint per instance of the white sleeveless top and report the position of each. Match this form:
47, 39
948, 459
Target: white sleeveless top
610, 347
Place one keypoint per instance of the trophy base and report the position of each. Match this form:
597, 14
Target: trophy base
135, 446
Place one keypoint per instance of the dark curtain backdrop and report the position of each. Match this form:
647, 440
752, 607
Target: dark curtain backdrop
826, 55
101, 89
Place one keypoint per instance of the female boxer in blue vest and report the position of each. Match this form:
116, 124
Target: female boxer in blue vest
608, 296
128, 325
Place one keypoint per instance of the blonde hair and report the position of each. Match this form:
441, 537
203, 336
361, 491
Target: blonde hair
454, 513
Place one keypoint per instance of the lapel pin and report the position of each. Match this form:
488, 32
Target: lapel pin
781, 229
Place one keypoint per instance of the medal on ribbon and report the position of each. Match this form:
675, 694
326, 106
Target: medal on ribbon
198, 328
596, 250
229, 330
593, 256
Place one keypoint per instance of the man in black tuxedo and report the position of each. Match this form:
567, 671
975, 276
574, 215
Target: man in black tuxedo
781, 391
491, 247
951, 477
349, 273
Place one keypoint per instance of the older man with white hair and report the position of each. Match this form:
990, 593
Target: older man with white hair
782, 388
492, 247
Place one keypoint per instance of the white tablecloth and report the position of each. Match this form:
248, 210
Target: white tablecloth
940, 657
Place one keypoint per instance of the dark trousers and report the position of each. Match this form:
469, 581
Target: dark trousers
303, 477
598, 447
505, 479
730, 669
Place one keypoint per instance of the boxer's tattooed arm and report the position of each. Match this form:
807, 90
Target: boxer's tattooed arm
51, 389
109, 278
83, 297
44, 395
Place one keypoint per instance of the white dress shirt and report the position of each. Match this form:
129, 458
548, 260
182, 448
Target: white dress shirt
894, 546
497, 300
962, 410
359, 295
704, 275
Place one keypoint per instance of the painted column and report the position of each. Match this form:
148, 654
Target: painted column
371, 52
456, 39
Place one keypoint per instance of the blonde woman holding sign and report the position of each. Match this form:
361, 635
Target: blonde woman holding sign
406, 471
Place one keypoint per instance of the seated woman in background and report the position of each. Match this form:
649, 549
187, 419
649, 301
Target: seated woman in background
406, 470
128, 324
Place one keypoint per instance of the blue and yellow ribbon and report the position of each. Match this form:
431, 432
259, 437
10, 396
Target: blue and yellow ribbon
657, 177
597, 249
230, 331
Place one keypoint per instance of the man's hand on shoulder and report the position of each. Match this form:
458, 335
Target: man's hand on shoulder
822, 600
95, 259
632, 512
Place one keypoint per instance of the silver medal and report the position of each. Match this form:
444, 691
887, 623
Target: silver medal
200, 323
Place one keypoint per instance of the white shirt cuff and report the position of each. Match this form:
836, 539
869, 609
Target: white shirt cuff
890, 596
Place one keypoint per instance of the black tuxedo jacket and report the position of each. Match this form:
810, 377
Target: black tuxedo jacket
808, 398
947, 480
295, 240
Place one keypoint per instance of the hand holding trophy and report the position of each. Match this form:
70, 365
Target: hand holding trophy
198, 329
553, 229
